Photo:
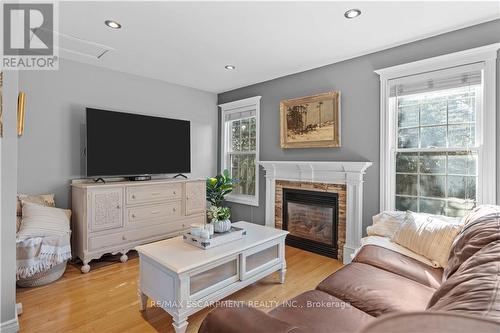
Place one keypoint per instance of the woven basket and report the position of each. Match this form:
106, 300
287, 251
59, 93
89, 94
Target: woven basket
43, 278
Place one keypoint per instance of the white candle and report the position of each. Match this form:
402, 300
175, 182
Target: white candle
204, 234
196, 229
210, 229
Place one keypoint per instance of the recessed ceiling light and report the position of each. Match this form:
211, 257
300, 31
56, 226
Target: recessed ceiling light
352, 13
230, 67
113, 24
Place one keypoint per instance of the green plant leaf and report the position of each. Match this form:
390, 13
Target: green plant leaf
219, 186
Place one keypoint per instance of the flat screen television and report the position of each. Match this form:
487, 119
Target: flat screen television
126, 144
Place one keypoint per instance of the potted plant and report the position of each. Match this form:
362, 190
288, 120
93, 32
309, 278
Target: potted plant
219, 216
217, 188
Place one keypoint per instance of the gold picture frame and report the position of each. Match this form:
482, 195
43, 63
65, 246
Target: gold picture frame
311, 122
21, 102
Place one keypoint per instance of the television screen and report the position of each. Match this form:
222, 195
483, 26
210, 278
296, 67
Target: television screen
126, 144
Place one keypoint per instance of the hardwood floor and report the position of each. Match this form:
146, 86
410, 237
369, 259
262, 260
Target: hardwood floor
105, 300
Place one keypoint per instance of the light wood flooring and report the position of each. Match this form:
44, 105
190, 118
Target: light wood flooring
105, 300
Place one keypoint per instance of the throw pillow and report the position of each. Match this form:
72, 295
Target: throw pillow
42, 199
428, 235
40, 221
386, 223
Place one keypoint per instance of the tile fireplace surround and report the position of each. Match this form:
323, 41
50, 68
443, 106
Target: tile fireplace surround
345, 178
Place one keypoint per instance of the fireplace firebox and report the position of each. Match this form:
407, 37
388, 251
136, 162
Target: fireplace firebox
311, 217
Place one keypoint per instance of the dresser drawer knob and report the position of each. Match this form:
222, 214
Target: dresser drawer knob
133, 216
133, 196
175, 193
173, 209
124, 238
118, 207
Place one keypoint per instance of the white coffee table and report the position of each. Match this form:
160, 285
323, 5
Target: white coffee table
183, 279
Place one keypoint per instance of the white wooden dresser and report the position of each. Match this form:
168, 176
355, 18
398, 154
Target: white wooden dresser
115, 217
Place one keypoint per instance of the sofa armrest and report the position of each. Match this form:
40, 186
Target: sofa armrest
243, 319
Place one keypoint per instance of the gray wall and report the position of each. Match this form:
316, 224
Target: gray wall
8, 188
360, 107
51, 150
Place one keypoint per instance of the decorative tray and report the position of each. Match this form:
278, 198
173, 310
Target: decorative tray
216, 239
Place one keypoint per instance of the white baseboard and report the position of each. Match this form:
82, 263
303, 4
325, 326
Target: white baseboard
10, 326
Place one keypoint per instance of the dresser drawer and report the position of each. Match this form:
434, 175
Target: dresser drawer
153, 193
99, 242
144, 214
156, 230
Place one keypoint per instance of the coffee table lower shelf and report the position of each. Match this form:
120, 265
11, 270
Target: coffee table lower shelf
208, 276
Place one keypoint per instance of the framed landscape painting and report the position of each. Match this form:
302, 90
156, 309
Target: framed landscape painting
311, 122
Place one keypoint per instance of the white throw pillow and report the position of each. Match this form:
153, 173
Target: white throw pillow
386, 223
428, 235
40, 221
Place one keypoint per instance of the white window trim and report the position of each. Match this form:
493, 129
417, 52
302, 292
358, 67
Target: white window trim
486, 120
236, 106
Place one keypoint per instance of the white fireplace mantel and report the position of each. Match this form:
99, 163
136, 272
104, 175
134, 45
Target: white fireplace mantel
349, 173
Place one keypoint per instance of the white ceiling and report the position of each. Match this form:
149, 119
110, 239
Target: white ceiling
189, 43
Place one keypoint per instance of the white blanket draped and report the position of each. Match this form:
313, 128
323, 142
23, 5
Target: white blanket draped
38, 254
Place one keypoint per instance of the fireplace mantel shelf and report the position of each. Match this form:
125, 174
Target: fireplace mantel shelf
346, 166
337, 172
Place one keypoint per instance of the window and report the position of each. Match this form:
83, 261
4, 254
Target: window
240, 148
436, 151
437, 145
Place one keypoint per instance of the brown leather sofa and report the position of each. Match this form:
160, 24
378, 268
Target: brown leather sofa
384, 291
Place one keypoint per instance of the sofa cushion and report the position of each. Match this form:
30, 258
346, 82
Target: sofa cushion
316, 311
376, 291
400, 264
386, 243
431, 322
474, 288
227, 318
481, 227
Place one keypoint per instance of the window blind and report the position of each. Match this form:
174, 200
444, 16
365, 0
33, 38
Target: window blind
463, 76
239, 115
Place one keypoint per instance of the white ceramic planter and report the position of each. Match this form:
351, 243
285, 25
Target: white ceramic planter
222, 226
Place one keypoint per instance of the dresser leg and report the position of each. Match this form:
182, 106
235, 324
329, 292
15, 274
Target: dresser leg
143, 300
180, 326
124, 257
86, 267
